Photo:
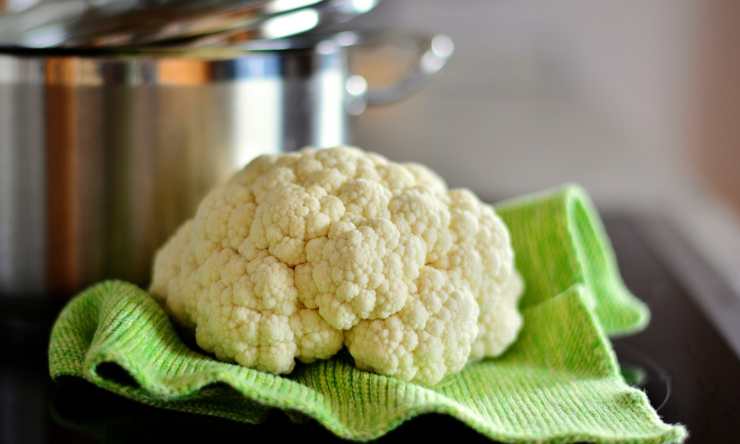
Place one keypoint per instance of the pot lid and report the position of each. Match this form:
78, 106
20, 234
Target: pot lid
118, 23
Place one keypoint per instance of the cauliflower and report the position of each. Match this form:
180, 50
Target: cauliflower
428, 339
300, 254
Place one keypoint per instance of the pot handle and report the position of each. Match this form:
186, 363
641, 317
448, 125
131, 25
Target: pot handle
433, 53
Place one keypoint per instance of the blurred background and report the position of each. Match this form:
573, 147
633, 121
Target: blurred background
636, 101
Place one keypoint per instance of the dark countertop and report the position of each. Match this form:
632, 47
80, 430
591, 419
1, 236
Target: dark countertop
692, 373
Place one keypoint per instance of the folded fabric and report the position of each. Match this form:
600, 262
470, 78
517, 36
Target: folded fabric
559, 382
560, 241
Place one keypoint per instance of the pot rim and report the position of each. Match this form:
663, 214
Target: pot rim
214, 52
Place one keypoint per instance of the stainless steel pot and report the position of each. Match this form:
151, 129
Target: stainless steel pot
103, 154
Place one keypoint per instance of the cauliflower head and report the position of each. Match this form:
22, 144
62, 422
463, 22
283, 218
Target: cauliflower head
300, 254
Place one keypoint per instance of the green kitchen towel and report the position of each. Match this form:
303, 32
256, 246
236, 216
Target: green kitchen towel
560, 241
558, 383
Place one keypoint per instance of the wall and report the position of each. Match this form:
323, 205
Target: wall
541, 93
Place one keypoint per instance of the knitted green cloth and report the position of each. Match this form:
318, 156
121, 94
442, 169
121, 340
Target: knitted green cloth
560, 241
558, 383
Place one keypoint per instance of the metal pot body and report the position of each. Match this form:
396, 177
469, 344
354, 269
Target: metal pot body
101, 158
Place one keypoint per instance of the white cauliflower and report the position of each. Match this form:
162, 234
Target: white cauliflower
428, 339
302, 253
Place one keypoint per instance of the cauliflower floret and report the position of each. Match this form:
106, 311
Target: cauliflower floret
482, 254
427, 340
499, 321
299, 254
360, 272
248, 312
172, 261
